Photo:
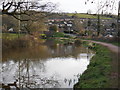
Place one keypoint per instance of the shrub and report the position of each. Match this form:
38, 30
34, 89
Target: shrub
58, 34
78, 42
13, 44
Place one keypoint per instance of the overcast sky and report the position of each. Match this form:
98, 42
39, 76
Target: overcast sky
79, 6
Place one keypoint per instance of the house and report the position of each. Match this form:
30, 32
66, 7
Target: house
11, 30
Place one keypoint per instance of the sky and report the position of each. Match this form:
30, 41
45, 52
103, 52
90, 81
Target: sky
79, 6
72, 6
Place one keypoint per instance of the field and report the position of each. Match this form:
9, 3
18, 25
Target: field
87, 16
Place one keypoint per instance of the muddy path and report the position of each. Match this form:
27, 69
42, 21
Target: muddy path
112, 47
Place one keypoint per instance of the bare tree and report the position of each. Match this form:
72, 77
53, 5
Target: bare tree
77, 25
103, 6
28, 12
26, 8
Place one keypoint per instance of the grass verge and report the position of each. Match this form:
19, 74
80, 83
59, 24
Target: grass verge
98, 72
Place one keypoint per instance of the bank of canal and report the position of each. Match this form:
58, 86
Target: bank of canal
98, 73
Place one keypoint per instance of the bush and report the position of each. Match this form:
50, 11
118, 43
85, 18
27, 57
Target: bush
67, 36
43, 36
53, 28
13, 44
78, 42
58, 34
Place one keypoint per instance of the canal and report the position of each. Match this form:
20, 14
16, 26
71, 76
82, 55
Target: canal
50, 65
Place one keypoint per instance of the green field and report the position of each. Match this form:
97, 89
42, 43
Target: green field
86, 16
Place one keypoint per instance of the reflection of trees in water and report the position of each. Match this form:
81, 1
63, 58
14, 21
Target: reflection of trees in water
61, 50
38, 52
70, 82
89, 53
26, 75
46, 51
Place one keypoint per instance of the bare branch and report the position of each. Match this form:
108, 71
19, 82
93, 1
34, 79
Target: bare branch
25, 8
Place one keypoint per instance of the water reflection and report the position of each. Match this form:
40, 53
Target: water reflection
46, 66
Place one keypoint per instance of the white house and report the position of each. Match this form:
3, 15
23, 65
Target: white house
11, 30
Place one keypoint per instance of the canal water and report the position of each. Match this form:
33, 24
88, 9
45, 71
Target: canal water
45, 66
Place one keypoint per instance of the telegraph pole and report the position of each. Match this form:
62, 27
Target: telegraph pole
118, 20
19, 23
98, 26
98, 22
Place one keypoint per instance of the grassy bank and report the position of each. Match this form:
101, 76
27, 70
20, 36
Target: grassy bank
98, 73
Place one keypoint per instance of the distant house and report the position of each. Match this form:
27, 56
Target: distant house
109, 35
11, 30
